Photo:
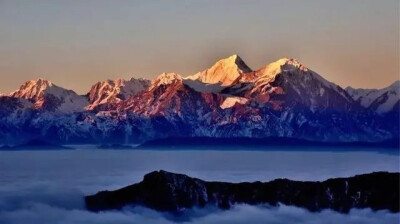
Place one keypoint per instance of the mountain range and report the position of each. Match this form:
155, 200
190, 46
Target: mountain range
228, 100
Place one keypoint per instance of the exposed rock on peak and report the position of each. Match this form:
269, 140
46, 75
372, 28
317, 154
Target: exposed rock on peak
166, 78
235, 61
289, 63
382, 101
286, 80
269, 72
113, 91
32, 89
49, 97
170, 96
224, 72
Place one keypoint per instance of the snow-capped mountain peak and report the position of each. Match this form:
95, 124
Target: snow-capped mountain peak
166, 79
289, 64
283, 99
269, 72
32, 89
47, 96
379, 100
224, 72
233, 62
288, 79
113, 91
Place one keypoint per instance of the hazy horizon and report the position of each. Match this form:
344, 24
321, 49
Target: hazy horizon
75, 44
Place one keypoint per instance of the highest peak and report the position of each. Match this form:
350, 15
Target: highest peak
233, 60
224, 72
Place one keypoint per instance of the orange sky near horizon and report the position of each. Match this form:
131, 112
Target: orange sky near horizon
76, 43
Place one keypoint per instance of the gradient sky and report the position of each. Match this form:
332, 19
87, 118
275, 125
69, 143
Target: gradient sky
76, 43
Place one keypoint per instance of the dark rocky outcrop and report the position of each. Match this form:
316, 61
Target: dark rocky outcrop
165, 191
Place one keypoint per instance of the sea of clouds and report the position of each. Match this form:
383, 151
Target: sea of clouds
63, 206
48, 187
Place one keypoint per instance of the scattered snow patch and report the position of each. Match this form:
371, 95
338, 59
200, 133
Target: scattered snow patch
231, 101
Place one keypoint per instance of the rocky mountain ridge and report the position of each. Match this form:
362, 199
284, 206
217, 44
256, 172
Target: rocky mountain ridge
380, 100
283, 99
171, 192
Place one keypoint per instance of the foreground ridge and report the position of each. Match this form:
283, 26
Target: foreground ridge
171, 192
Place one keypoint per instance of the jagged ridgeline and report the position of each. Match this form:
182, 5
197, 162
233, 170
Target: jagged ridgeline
282, 99
165, 191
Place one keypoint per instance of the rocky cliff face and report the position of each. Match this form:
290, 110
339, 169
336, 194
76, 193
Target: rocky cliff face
114, 91
164, 191
47, 97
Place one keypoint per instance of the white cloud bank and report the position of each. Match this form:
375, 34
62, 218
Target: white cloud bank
45, 206
48, 187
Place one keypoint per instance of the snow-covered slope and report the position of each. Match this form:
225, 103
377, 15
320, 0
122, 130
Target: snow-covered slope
285, 82
224, 72
49, 97
169, 96
113, 91
232, 101
165, 79
269, 72
380, 100
288, 83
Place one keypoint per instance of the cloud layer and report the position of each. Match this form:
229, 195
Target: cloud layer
57, 205
48, 187
67, 208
